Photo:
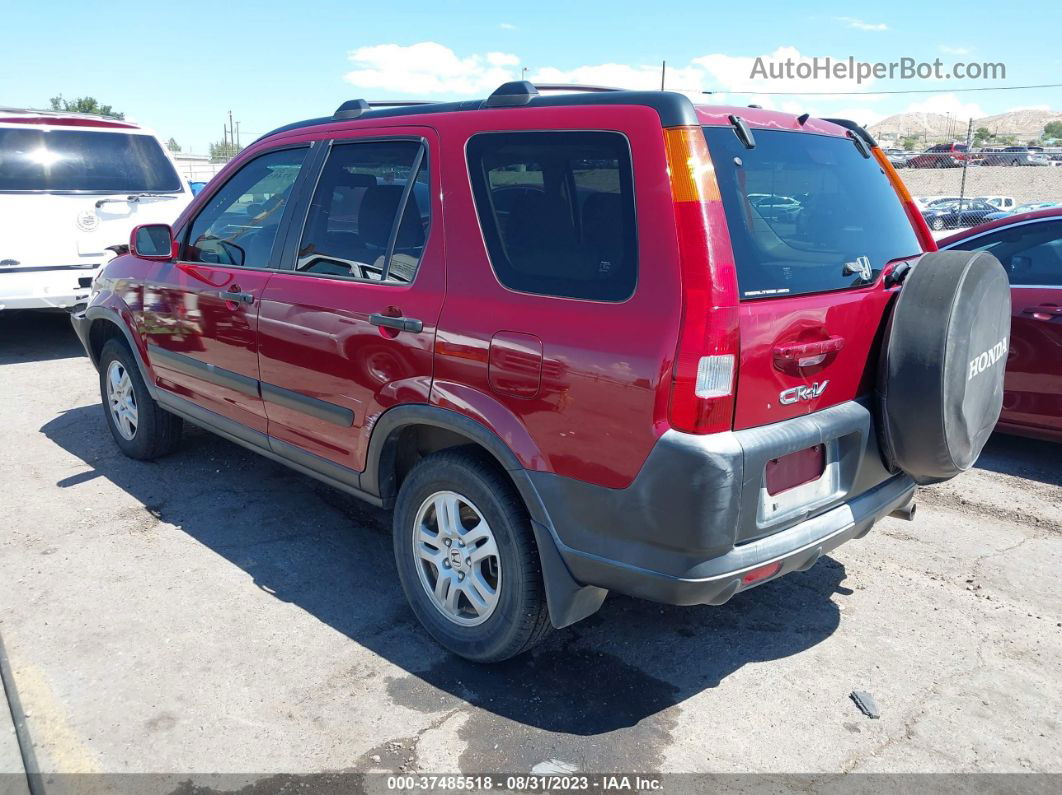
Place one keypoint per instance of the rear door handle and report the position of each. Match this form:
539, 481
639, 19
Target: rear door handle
1043, 309
399, 323
236, 297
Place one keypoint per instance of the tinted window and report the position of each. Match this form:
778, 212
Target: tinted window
239, 223
830, 208
74, 160
557, 212
1031, 253
363, 189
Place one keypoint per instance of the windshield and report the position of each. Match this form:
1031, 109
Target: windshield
833, 215
75, 160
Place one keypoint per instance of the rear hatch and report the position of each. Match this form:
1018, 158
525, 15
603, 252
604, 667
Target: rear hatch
68, 194
812, 223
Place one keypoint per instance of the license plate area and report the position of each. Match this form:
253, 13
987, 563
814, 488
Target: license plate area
797, 483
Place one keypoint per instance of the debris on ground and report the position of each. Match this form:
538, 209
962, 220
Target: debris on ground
866, 703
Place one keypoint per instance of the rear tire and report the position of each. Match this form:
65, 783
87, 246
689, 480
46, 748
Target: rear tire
140, 427
455, 506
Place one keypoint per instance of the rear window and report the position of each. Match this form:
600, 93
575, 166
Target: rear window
557, 211
806, 213
75, 160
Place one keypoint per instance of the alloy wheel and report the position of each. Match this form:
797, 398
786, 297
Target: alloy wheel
457, 558
122, 400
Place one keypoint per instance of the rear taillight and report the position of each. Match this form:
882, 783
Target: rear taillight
702, 386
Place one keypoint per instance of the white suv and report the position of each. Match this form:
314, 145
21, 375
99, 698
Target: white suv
71, 186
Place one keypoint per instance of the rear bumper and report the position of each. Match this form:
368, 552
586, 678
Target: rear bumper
697, 517
45, 288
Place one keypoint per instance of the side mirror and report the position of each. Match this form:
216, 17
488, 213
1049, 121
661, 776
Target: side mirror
153, 241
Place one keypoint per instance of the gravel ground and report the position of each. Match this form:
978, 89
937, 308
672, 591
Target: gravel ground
213, 611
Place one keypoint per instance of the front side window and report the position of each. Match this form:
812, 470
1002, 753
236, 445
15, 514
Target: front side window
557, 212
370, 213
239, 223
82, 161
806, 213
1031, 253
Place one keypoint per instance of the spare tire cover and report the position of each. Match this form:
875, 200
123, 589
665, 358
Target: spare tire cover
945, 351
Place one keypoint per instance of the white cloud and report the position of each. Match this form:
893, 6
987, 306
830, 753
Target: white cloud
507, 26
859, 24
429, 68
948, 49
947, 104
1045, 106
734, 74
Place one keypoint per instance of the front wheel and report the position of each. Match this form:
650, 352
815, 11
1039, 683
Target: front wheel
141, 428
938, 224
467, 558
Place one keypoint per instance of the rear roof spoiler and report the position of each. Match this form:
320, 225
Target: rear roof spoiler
848, 124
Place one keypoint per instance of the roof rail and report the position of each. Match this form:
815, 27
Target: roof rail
351, 109
573, 87
507, 95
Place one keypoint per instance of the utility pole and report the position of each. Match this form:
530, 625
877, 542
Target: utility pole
237, 136
663, 73
523, 73
965, 163
225, 135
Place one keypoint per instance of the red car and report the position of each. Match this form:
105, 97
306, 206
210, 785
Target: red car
1030, 247
555, 335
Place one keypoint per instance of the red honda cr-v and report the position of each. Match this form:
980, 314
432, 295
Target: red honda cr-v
557, 336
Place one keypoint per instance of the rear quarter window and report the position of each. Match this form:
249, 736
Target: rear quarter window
557, 212
807, 213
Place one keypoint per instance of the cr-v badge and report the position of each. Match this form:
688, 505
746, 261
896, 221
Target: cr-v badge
787, 396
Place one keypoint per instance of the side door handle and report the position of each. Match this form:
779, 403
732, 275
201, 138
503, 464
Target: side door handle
236, 297
1042, 310
399, 323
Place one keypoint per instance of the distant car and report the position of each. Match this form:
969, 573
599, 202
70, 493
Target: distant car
1030, 247
196, 187
898, 157
926, 201
968, 212
1014, 156
1021, 208
999, 202
941, 156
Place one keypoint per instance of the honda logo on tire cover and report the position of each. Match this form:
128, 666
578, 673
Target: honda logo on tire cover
792, 395
983, 361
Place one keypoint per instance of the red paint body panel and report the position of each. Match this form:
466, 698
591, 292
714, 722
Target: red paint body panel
856, 316
1032, 397
605, 366
184, 314
315, 339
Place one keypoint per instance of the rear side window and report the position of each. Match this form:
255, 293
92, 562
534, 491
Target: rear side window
76, 160
369, 216
557, 212
807, 213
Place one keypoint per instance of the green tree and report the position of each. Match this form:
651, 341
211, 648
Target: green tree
982, 135
1053, 129
909, 142
84, 105
223, 151
173, 146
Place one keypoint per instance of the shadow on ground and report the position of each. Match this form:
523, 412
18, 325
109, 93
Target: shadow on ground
37, 337
1027, 458
573, 698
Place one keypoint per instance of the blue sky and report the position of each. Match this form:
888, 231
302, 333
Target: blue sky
180, 67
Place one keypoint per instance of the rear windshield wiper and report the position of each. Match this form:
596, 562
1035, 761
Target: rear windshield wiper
135, 197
